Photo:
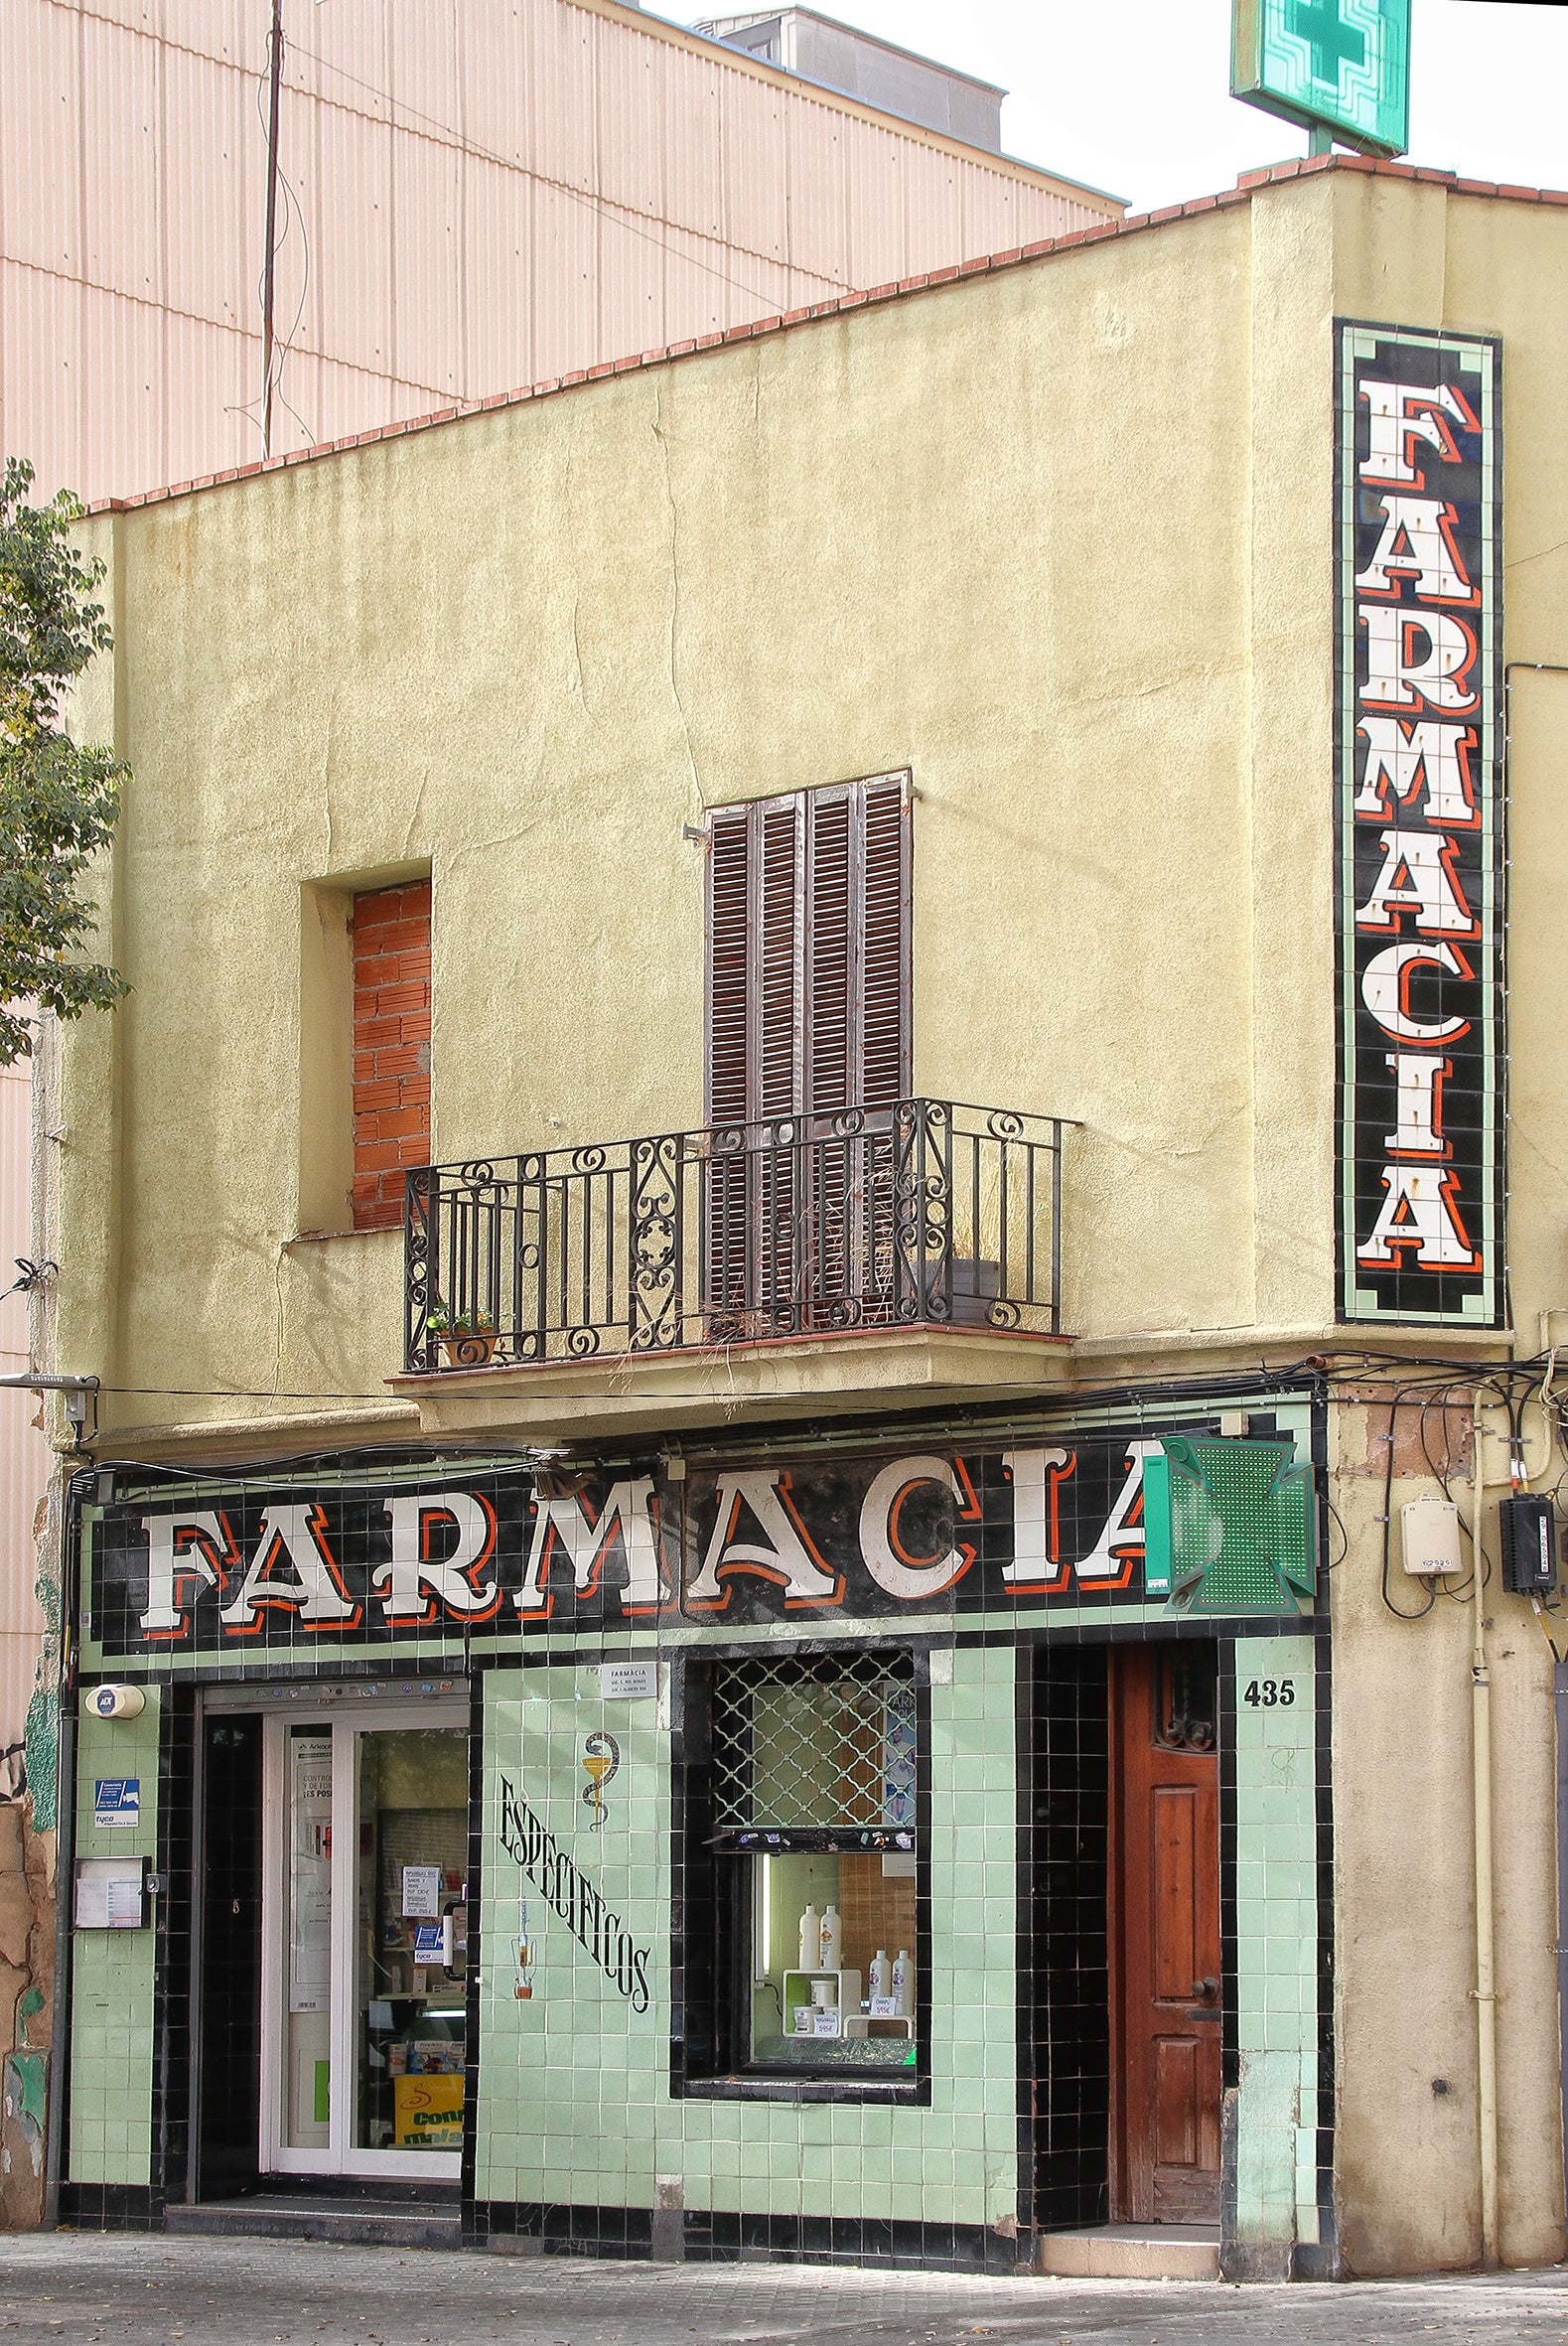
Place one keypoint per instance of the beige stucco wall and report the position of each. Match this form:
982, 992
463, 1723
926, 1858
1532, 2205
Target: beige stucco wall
528, 650
1059, 541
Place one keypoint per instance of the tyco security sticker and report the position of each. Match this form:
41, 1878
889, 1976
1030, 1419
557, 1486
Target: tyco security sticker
117, 1800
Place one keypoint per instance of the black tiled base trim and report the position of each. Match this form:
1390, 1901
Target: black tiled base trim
112, 2207
719, 2238
560, 2230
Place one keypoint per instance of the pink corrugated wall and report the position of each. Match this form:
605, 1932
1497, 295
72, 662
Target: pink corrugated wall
488, 193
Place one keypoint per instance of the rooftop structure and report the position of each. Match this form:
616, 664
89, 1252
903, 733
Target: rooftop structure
839, 57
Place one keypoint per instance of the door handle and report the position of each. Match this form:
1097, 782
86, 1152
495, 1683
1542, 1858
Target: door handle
1206, 1987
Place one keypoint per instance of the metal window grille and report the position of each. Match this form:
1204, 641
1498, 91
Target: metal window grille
802, 1745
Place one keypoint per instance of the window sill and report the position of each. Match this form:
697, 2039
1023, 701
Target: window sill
329, 1238
909, 2091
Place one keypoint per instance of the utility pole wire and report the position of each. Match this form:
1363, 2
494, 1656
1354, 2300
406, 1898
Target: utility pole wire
275, 49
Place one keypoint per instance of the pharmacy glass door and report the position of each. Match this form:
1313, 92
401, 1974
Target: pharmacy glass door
364, 1943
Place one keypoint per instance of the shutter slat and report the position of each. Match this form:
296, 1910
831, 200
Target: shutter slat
774, 1082
829, 1073
727, 932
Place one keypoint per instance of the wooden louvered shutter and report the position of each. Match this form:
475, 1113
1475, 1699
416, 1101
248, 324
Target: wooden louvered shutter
808, 1012
884, 1009
727, 1081
725, 1089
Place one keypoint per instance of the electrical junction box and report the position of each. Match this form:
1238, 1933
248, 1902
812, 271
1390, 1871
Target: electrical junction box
1429, 1537
1527, 1531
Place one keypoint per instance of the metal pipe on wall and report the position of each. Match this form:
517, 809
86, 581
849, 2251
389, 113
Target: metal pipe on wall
60, 2028
1561, 1698
1480, 1760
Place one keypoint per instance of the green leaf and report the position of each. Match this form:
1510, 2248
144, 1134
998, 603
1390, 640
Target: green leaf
59, 798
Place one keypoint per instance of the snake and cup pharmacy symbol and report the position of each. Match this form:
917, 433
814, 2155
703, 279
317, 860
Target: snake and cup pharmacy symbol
523, 1956
600, 1758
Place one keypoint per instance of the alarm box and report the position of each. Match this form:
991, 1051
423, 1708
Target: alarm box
1528, 1533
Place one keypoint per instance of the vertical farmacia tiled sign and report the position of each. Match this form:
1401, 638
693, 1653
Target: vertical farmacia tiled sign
1419, 821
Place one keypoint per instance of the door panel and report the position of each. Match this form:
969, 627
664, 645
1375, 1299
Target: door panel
229, 2083
1176, 2088
1166, 1883
1175, 1860
364, 1945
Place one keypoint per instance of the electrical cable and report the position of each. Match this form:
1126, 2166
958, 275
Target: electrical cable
1398, 1612
1333, 1562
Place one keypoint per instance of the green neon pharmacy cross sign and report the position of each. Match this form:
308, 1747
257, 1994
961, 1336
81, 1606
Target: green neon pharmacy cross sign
1340, 67
1330, 40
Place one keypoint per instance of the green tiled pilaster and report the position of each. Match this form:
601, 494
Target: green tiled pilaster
574, 2096
567, 2077
1276, 1943
112, 1972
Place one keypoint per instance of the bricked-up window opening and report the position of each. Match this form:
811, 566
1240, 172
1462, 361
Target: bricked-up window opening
815, 1759
808, 1013
391, 1048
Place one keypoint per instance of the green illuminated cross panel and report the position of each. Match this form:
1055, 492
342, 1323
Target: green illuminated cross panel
1342, 66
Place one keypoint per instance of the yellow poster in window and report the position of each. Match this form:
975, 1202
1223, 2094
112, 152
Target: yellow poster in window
428, 2113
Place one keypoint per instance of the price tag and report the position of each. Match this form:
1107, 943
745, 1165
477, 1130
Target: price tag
826, 2025
421, 1889
884, 2008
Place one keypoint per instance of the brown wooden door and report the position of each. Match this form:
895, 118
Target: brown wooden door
1165, 1874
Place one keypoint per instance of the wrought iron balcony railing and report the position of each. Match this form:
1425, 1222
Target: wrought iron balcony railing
928, 1212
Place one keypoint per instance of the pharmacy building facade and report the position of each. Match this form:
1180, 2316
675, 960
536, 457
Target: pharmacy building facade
820, 1267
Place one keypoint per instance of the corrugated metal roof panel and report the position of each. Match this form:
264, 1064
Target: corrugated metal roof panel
214, 167
39, 204
492, 192
41, 356
346, 194
498, 223
121, 132
426, 337
231, 32
754, 151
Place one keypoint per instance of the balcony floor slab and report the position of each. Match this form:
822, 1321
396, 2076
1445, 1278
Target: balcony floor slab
645, 1393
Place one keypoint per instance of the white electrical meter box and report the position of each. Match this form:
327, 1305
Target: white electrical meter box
1429, 1535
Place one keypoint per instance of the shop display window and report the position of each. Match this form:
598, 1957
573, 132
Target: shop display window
412, 1939
816, 1849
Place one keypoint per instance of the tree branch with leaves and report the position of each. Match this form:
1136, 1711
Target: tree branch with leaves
59, 798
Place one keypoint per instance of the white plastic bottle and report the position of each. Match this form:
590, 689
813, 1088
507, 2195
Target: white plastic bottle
904, 1983
880, 1974
830, 1941
811, 1940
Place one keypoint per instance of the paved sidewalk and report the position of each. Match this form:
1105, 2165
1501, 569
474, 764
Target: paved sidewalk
140, 2291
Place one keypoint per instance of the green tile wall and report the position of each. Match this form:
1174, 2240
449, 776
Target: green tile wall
574, 2093
1277, 1944
111, 2009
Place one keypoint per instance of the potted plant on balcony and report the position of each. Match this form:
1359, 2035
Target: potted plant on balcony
468, 1337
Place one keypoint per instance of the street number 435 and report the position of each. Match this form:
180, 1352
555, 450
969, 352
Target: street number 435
1270, 1694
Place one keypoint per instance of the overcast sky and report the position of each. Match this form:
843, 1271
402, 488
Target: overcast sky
1133, 95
